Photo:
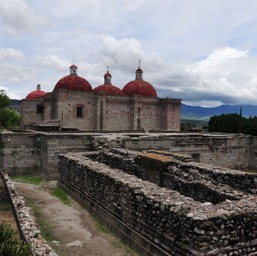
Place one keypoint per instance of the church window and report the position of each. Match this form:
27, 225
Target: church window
40, 109
79, 111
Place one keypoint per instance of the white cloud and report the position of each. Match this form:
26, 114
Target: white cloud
201, 51
9, 53
17, 17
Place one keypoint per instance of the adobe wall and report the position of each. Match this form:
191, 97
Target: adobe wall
161, 221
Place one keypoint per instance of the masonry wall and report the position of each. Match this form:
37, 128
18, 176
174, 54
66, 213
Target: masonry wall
232, 151
37, 153
20, 152
54, 144
28, 111
67, 102
161, 221
116, 113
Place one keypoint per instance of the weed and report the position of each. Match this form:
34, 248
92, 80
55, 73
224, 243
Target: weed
36, 180
62, 195
10, 245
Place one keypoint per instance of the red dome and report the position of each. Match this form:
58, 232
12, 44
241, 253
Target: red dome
109, 89
36, 94
73, 83
139, 87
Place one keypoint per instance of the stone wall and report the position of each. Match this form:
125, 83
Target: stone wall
20, 152
37, 152
34, 152
226, 150
161, 221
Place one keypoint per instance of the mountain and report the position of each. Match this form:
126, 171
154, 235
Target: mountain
203, 113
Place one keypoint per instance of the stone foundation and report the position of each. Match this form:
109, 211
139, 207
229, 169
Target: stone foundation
221, 220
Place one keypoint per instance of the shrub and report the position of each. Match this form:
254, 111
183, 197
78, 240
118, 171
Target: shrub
9, 246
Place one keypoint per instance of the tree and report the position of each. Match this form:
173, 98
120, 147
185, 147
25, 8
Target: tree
9, 118
230, 123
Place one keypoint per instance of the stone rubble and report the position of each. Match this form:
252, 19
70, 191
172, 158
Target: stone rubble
196, 218
28, 225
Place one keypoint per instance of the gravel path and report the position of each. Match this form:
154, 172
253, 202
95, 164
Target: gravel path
72, 226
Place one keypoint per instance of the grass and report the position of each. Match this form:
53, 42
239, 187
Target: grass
45, 226
62, 195
36, 180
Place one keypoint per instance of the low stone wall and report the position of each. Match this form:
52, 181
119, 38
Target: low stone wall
160, 221
27, 226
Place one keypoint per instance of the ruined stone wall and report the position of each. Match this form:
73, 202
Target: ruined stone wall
20, 152
54, 144
160, 220
37, 153
228, 150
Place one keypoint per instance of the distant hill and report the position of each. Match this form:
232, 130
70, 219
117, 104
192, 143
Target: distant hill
15, 102
202, 113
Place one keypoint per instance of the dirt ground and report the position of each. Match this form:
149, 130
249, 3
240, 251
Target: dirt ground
75, 232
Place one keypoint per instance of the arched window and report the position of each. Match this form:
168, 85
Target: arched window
79, 111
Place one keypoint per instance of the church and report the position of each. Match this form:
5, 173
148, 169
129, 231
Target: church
74, 105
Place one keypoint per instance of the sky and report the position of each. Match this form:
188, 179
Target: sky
201, 51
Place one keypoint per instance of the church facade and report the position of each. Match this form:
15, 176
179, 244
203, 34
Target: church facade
73, 104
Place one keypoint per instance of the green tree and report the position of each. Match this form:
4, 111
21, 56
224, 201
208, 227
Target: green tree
9, 118
230, 123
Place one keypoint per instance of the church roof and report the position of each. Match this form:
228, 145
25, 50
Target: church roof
139, 86
109, 89
73, 82
36, 94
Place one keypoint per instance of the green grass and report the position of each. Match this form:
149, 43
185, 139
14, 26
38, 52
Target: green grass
62, 195
36, 180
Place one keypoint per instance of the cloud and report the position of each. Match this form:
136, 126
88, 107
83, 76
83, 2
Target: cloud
9, 53
226, 76
201, 51
17, 17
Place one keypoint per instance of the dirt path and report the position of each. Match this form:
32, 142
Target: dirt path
72, 226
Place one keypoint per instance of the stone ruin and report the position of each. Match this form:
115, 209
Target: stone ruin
162, 203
